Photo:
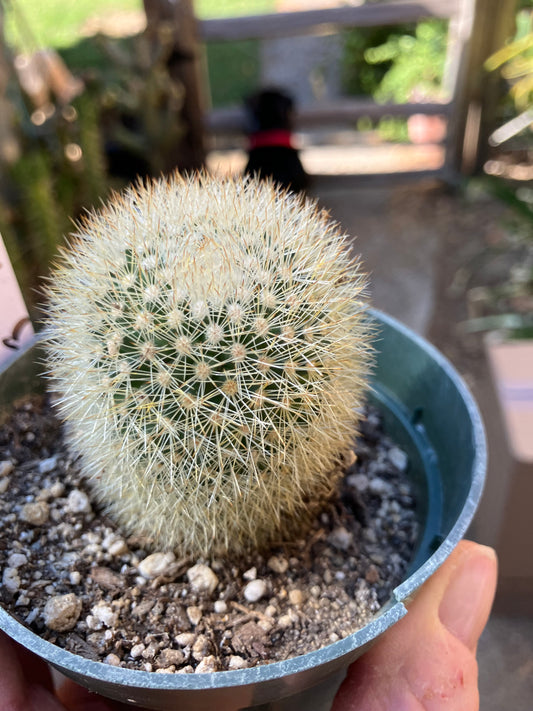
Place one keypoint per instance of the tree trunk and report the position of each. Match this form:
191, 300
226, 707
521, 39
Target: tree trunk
184, 68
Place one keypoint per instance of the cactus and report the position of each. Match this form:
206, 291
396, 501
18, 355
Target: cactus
209, 344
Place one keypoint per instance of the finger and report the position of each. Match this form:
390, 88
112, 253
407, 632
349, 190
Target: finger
25, 681
426, 661
77, 698
466, 604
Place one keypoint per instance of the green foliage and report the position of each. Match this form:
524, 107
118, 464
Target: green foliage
233, 69
210, 346
60, 172
31, 24
360, 77
130, 101
395, 64
416, 62
43, 216
515, 62
233, 8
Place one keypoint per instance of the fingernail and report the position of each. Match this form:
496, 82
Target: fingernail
468, 597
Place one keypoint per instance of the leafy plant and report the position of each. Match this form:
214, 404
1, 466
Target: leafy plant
515, 61
395, 64
416, 62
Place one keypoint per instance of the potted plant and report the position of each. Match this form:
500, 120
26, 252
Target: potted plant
211, 346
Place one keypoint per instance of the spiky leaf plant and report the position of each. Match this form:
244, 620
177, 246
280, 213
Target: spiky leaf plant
209, 343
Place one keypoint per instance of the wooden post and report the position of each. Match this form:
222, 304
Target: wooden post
481, 28
184, 68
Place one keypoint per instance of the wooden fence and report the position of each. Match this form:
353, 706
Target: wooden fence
477, 28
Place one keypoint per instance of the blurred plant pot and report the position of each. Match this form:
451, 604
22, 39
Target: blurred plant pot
431, 415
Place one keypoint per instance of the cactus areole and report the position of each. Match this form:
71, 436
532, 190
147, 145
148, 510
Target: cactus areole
209, 345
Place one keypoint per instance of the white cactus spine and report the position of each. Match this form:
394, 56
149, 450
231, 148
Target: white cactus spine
210, 346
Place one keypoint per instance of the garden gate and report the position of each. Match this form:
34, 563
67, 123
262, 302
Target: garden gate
477, 28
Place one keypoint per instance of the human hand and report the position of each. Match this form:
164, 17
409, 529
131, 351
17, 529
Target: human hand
26, 685
427, 660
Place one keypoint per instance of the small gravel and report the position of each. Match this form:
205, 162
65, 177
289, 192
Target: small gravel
72, 576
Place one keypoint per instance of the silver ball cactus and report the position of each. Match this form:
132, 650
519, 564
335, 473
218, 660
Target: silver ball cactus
209, 343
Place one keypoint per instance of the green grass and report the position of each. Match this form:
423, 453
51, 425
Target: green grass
33, 24
233, 8
233, 69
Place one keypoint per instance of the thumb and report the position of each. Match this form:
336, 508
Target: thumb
427, 659
77, 698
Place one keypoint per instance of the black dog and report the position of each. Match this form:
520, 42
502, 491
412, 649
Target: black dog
271, 151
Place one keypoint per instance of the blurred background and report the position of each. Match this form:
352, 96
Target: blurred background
414, 122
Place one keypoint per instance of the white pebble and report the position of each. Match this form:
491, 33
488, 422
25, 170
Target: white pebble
112, 659
118, 548
398, 458
114, 545
62, 612
47, 465
296, 597
104, 614
4, 484
6, 467
92, 623
194, 614
78, 502
185, 670
255, 590
285, 621
208, 664
250, 574
278, 564
378, 486
57, 489
11, 579
16, 560
137, 650
236, 662
220, 607
359, 481
341, 538
156, 564
202, 579
35, 513
170, 658
185, 639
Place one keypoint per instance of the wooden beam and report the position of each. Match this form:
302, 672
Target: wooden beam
232, 119
287, 24
484, 26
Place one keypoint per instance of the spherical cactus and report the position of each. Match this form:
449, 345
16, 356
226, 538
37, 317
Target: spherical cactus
209, 344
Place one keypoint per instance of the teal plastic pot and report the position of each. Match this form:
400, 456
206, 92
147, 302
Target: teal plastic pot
430, 413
